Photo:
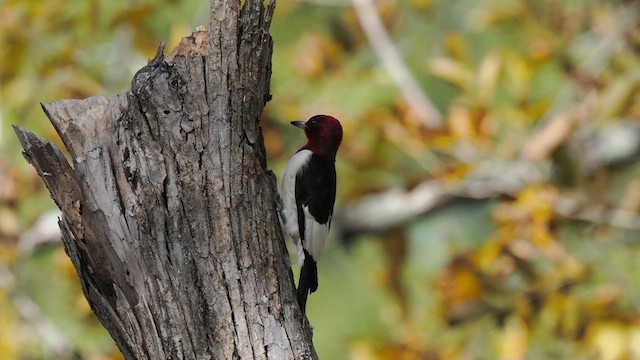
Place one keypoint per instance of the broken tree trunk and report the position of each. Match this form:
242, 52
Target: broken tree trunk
168, 209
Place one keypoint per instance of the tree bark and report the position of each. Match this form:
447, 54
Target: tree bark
168, 209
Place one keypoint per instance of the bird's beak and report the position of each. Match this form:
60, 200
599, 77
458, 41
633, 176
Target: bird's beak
301, 124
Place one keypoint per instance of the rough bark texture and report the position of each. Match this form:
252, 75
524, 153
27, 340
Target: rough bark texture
169, 211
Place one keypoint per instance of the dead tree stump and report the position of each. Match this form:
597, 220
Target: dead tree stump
168, 209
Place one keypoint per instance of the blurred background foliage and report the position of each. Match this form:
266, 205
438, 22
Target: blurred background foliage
500, 224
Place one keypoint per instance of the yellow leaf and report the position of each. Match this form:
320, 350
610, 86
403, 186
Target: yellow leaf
455, 46
487, 77
634, 341
460, 124
8, 252
538, 201
513, 342
617, 97
485, 256
609, 340
361, 350
461, 290
451, 70
517, 75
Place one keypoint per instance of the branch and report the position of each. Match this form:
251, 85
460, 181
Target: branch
417, 100
379, 213
396, 207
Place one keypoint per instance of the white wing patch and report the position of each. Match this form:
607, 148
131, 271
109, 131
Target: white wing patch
315, 235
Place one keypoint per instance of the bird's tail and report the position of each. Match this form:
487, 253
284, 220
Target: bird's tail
308, 282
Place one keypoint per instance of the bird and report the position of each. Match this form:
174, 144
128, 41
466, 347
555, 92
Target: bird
308, 192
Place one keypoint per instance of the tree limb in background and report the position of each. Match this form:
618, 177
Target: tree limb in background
419, 103
382, 212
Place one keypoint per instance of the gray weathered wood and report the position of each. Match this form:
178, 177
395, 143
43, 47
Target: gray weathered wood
168, 209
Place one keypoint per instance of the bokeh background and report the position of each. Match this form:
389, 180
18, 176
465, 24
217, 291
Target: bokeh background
488, 179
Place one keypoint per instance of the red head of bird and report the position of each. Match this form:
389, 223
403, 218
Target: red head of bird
324, 135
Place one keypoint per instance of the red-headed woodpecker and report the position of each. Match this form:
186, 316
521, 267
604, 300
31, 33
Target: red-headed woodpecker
308, 193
